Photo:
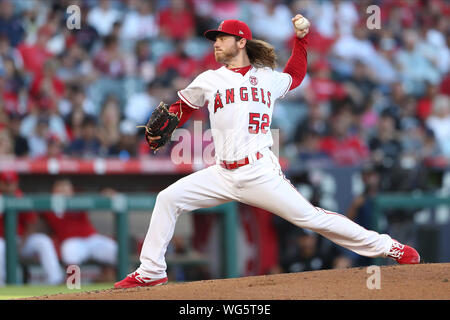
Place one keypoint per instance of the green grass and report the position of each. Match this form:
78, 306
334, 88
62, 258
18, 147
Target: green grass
24, 291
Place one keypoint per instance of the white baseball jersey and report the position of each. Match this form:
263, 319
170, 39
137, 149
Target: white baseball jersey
241, 110
240, 107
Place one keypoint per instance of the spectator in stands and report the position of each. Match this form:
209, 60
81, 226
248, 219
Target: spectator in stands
109, 121
352, 47
386, 147
10, 25
140, 22
266, 14
322, 87
115, 32
21, 148
54, 150
74, 123
87, 37
12, 88
139, 63
309, 153
35, 55
126, 146
312, 252
13, 85
54, 147
360, 85
436, 38
335, 18
177, 21
77, 238
32, 244
76, 98
439, 122
342, 145
74, 108
425, 102
141, 104
177, 64
55, 21
218, 11
415, 68
7, 51
432, 45
37, 141
315, 121
208, 61
6, 143
383, 65
396, 98
419, 144
88, 144
110, 60
103, 17
3, 114
47, 89
55, 121
75, 67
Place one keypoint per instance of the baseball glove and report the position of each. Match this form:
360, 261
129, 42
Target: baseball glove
162, 123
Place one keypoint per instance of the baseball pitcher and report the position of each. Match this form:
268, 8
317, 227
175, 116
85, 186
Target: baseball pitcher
240, 97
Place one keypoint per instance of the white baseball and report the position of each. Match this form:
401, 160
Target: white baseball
302, 23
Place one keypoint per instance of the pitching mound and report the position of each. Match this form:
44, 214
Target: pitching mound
411, 282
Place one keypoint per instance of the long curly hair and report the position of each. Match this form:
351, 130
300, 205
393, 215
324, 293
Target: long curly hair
261, 53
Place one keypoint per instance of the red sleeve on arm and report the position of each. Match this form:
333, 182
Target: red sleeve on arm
298, 61
182, 110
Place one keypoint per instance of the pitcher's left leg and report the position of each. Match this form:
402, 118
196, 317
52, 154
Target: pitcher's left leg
274, 193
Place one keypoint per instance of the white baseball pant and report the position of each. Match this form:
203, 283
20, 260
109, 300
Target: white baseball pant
261, 184
100, 248
41, 246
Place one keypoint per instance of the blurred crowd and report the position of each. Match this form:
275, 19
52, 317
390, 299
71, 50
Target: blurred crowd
371, 94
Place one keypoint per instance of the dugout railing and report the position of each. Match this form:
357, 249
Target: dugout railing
408, 201
119, 205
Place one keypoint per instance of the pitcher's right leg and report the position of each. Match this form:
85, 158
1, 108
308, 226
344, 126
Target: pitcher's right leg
202, 189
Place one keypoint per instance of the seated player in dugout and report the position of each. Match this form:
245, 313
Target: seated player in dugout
31, 243
240, 97
77, 238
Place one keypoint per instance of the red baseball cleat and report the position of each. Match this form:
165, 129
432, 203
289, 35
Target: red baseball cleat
136, 280
403, 254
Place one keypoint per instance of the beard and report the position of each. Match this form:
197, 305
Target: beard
224, 56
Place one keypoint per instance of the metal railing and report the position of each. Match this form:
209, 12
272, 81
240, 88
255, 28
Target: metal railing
417, 201
120, 205
405, 201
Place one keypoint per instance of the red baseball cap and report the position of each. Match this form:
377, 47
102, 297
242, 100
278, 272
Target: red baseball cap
9, 176
233, 27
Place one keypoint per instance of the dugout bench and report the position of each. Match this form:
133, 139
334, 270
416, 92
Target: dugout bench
120, 205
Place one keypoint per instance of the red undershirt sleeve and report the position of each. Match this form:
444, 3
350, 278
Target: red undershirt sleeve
298, 61
182, 110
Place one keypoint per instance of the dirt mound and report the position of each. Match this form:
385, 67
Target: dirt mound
411, 282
